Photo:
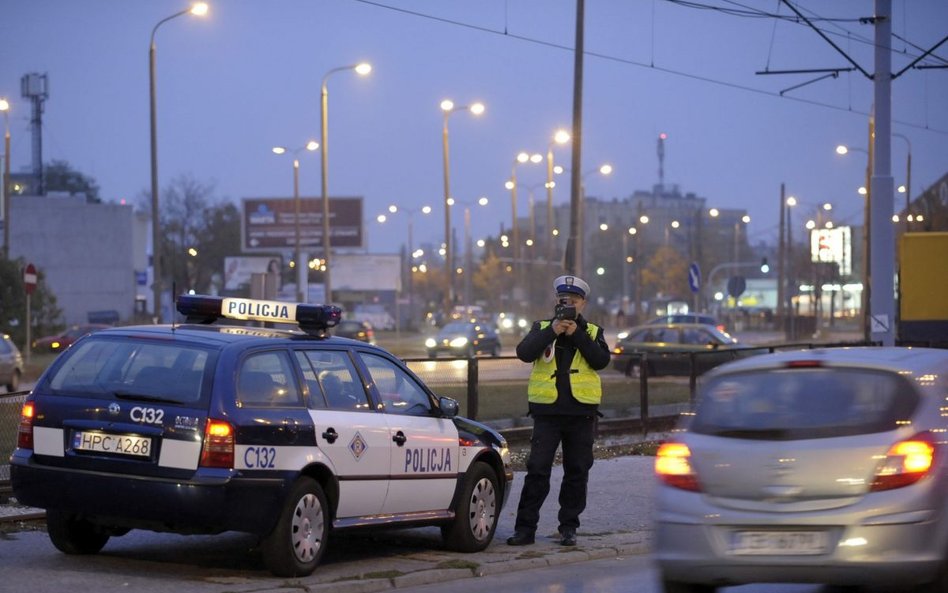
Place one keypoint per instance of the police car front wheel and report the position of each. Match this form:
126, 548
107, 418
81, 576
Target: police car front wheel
476, 514
298, 541
72, 535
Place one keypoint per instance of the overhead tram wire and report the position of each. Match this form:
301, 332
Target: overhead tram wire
630, 62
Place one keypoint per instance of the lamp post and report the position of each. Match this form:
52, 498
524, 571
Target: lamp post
866, 245
5, 190
447, 108
521, 158
791, 281
197, 9
604, 169
393, 209
468, 246
908, 178
361, 69
301, 267
642, 220
560, 137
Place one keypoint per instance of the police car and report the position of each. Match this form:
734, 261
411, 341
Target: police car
289, 434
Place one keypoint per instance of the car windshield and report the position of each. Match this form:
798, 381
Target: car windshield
133, 369
803, 403
456, 328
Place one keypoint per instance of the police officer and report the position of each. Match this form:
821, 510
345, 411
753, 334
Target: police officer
563, 394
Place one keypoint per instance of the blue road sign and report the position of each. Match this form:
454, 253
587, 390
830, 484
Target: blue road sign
694, 277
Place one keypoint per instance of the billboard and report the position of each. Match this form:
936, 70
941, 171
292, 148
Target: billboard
833, 246
239, 270
357, 271
268, 225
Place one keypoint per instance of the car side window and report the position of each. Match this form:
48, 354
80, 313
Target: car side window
333, 381
399, 392
696, 336
266, 380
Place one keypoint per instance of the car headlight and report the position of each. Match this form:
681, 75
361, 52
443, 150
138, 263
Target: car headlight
430, 343
522, 323
458, 342
507, 323
622, 335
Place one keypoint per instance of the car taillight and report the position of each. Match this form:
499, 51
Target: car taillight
672, 466
218, 449
905, 463
24, 434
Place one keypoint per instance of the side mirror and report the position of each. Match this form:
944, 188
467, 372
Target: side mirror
449, 407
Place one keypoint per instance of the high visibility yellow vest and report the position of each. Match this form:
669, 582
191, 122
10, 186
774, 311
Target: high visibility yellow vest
587, 387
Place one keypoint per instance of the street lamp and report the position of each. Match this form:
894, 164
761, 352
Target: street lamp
447, 108
560, 137
605, 170
393, 209
301, 269
866, 245
5, 190
197, 9
511, 184
361, 69
908, 178
468, 247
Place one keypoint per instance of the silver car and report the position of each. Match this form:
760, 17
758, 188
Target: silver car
11, 364
820, 466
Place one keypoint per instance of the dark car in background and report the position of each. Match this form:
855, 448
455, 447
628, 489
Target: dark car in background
464, 338
689, 318
668, 349
356, 330
813, 466
11, 363
62, 340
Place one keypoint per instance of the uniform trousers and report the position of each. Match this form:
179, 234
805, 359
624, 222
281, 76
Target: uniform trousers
577, 434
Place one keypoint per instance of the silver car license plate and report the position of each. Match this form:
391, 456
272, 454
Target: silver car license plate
102, 442
779, 543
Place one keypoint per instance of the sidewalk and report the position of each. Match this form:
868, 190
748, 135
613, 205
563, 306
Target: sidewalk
617, 522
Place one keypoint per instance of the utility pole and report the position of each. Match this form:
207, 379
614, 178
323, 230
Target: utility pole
574, 245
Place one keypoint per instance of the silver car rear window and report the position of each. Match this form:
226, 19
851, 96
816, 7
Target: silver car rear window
803, 403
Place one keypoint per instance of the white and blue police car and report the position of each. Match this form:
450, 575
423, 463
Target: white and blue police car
289, 434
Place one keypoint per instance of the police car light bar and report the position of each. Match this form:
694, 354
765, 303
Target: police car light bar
208, 309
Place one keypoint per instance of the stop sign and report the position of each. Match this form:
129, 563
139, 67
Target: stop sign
29, 278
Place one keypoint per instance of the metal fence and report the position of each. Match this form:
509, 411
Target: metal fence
10, 404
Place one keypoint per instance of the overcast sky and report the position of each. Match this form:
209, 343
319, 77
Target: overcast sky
247, 77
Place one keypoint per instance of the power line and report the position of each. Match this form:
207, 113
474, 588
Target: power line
627, 61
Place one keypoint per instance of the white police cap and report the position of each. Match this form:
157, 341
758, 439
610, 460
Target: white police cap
571, 285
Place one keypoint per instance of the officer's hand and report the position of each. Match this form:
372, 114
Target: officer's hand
560, 326
568, 325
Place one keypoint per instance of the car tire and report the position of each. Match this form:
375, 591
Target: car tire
14, 383
297, 543
495, 351
679, 587
477, 511
72, 535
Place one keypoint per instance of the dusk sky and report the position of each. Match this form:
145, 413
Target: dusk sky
247, 77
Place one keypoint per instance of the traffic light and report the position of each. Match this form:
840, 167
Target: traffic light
764, 267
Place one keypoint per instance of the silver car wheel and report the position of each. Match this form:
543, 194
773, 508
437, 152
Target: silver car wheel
307, 527
483, 509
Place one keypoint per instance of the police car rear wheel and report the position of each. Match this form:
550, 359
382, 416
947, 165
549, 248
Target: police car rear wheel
72, 535
476, 514
298, 541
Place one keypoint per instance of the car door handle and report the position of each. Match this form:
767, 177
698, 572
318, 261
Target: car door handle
400, 438
330, 435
